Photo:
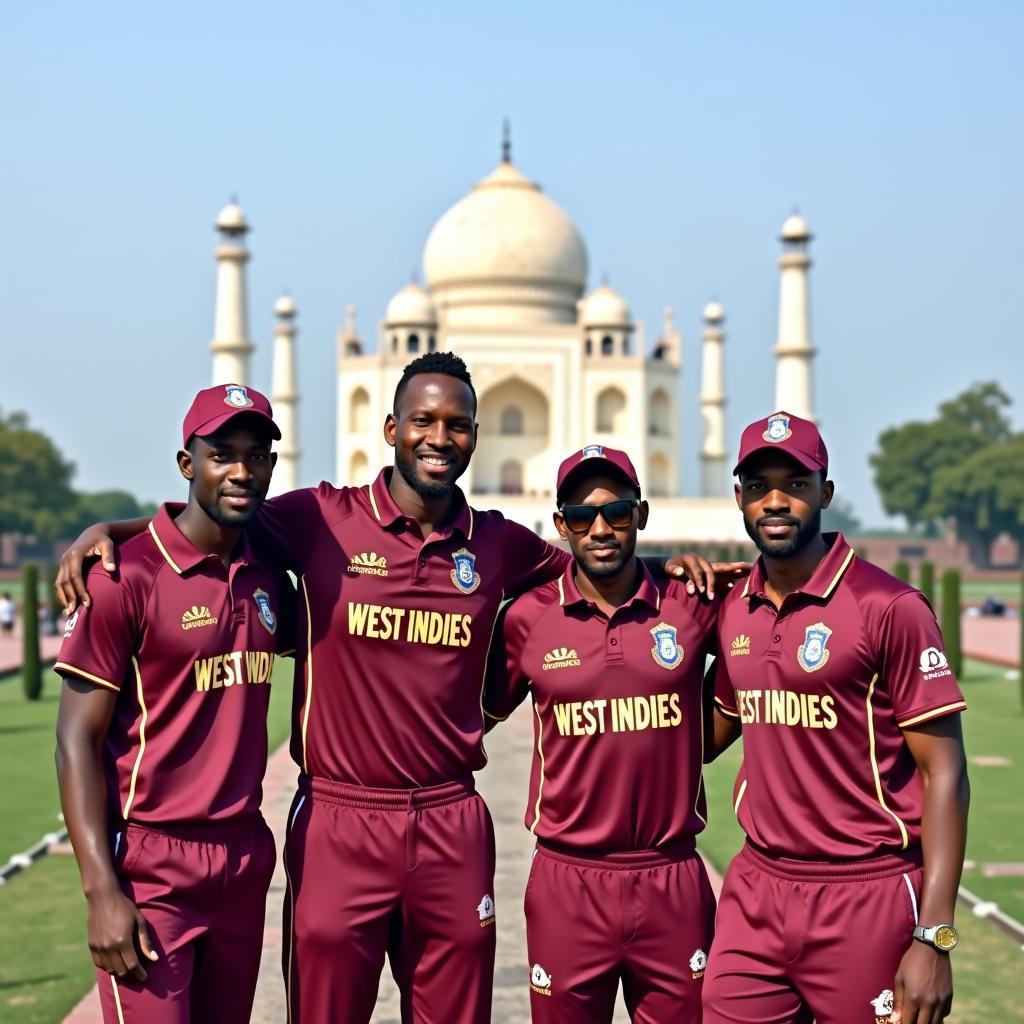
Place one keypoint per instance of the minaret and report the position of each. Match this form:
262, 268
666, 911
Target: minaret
794, 351
712, 404
285, 397
231, 345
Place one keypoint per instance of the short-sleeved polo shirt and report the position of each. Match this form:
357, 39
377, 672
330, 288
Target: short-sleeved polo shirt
188, 646
394, 629
823, 688
618, 716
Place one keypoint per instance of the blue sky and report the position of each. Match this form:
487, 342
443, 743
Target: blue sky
678, 136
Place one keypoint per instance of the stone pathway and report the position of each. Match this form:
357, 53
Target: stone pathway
503, 784
10, 650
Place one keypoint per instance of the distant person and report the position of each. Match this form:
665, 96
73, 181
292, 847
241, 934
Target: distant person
993, 606
7, 614
162, 735
853, 790
47, 623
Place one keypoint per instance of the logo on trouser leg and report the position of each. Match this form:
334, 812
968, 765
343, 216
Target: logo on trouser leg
486, 911
883, 1006
540, 980
698, 963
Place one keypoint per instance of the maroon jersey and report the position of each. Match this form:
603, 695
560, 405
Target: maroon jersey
823, 688
188, 645
618, 718
394, 630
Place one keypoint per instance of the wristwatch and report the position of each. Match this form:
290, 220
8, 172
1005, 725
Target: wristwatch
942, 936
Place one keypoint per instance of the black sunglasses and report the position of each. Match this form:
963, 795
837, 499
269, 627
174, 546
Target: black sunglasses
617, 514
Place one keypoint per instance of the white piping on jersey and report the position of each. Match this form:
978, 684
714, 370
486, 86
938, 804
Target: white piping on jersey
913, 896
540, 754
295, 813
142, 739
309, 668
739, 797
874, 765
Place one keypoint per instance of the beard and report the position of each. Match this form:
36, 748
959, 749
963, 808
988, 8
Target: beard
427, 490
228, 519
806, 532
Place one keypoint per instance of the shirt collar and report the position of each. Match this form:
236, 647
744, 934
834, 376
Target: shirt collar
825, 579
180, 553
387, 512
647, 593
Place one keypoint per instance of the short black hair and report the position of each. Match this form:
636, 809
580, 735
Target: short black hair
447, 363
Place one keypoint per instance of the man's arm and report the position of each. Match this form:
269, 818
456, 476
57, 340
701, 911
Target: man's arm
924, 983
506, 686
82, 723
98, 541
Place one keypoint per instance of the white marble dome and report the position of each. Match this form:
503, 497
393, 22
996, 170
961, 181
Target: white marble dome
232, 219
795, 229
714, 313
411, 305
285, 307
605, 307
506, 254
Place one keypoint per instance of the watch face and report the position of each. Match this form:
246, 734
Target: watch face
946, 938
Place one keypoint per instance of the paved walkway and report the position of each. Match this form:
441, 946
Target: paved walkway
10, 650
503, 784
991, 639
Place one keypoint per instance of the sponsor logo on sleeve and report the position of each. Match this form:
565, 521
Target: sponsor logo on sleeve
560, 657
197, 616
933, 663
739, 646
369, 563
266, 613
813, 653
464, 575
666, 651
237, 397
778, 428
698, 963
69, 626
883, 1006
540, 980
486, 911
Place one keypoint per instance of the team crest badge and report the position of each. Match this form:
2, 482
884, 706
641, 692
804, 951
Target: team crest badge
883, 1006
666, 651
592, 451
237, 397
266, 613
778, 428
698, 963
464, 575
813, 652
540, 980
486, 911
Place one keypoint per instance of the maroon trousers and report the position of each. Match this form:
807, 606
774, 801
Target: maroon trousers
407, 873
646, 918
203, 892
800, 940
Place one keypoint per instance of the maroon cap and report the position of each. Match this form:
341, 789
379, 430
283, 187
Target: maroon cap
784, 432
592, 459
213, 407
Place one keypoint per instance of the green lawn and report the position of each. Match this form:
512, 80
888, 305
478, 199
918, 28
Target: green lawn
44, 964
988, 965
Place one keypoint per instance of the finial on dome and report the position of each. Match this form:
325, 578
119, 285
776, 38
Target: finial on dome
506, 142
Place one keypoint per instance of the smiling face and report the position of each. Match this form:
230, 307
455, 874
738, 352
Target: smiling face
602, 550
433, 431
781, 502
229, 471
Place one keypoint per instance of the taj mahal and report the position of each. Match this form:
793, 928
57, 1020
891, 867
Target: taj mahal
555, 366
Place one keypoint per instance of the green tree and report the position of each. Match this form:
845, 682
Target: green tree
35, 480
927, 582
901, 570
950, 620
986, 495
104, 506
31, 656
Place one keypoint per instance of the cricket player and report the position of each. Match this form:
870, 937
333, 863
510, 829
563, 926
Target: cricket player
613, 659
162, 735
390, 850
853, 791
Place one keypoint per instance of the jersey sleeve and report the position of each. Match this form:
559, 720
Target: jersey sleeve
288, 618
285, 527
530, 561
725, 695
506, 686
915, 671
100, 639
